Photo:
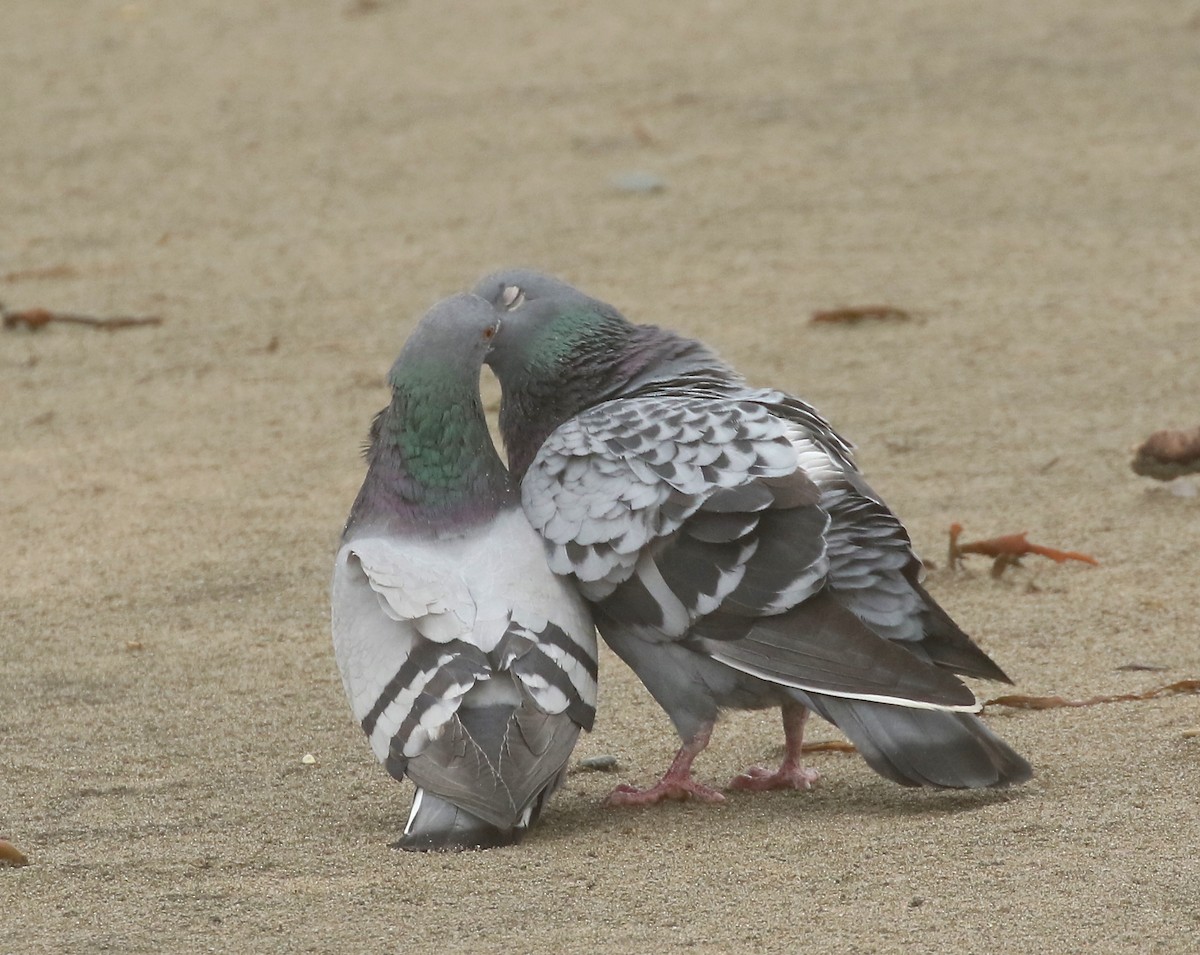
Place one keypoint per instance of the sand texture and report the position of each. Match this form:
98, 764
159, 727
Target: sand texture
288, 184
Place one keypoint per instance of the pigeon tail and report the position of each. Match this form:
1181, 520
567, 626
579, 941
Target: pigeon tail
921, 747
436, 825
487, 778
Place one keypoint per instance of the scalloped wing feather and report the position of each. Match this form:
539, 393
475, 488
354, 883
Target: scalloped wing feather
656, 506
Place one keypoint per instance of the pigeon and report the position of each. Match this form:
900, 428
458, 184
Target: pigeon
469, 665
731, 551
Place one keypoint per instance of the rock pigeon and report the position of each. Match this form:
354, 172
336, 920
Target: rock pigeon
731, 551
468, 664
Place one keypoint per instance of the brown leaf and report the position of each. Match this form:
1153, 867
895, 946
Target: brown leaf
10, 855
1007, 550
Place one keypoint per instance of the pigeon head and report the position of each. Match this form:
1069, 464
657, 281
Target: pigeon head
558, 352
551, 330
450, 342
430, 460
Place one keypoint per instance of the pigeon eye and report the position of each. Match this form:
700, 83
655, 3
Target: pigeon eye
512, 296
489, 331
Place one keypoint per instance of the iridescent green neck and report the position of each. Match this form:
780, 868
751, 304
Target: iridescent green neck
431, 462
588, 356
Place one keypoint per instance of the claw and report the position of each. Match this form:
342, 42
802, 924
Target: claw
676, 783
663, 790
788, 776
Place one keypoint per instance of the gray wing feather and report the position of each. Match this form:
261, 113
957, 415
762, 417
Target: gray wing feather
554, 672
822, 647
873, 570
658, 505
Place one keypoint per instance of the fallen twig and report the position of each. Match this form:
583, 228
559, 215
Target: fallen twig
861, 313
828, 746
1019, 702
47, 272
1007, 550
1166, 455
37, 318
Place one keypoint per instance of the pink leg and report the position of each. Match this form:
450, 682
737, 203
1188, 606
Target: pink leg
676, 783
790, 774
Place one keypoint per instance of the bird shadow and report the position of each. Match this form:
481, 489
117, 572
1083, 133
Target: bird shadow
827, 802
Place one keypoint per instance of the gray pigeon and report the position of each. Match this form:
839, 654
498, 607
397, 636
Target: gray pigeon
731, 551
468, 664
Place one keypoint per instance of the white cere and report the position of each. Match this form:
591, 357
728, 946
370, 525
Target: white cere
512, 296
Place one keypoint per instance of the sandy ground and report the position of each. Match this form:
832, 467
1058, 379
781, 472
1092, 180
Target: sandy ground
289, 183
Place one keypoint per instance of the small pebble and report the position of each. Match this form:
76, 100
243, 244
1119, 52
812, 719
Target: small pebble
1193, 733
599, 764
308, 759
1167, 454
1183, 487
639, 182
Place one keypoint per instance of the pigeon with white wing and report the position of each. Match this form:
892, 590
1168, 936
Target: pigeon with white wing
468, 664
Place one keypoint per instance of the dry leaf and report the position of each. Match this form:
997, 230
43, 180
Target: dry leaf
10, 855
1007, 550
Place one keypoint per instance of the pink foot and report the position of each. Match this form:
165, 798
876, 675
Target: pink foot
676, 783
664, 789
790, 774
759, 779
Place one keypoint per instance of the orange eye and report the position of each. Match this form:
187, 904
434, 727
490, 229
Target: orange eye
489, 332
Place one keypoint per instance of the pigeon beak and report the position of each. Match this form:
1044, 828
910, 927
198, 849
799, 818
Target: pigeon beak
494, 336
